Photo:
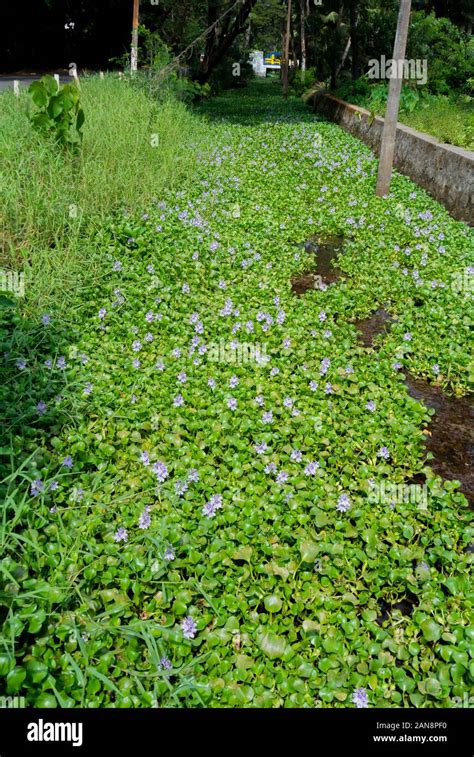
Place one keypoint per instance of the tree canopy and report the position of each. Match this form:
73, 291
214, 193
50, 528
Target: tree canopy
46, 34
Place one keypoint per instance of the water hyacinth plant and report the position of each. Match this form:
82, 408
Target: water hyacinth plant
211, 540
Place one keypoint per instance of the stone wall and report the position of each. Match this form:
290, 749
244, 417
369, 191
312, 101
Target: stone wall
445, 171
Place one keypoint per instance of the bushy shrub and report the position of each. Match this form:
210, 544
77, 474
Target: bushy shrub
356, 91
301, 81
56, 111
232, 72
448, 52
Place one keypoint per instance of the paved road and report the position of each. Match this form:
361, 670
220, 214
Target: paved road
6, 82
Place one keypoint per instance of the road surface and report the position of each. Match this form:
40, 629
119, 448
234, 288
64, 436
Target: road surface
6, 82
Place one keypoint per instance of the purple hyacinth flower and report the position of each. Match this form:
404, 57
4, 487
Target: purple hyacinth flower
165, 663
214, 504
360, 698
121, 535
169, 554
193, 475
384, 453
161, 471
311, 468
323, 368
36, 487
189, 628
282, 477
343, 503
181, 487
144, 520
67, 462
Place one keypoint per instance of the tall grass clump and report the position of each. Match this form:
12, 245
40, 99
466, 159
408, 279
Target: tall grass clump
54, 202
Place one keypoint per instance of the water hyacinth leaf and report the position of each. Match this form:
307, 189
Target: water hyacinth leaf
431, 630
243, 553
273, 603
272, 646
309, 551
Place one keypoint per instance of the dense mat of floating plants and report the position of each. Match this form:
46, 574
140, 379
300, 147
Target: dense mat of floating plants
225, 516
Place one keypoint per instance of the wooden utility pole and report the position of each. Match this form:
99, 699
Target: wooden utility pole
134, 55
286, 54
387, 148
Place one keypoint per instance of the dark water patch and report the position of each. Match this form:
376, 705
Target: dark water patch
451, 433
406, 605
377, 323
419, 479
325, 249
304, 281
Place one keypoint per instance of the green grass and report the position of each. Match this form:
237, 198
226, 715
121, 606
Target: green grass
447, 119
53, 205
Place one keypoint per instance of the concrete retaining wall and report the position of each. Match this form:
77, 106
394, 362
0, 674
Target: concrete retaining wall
446, 172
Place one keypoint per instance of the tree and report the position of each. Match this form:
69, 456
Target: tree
304, 12
354, 10
227, 21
